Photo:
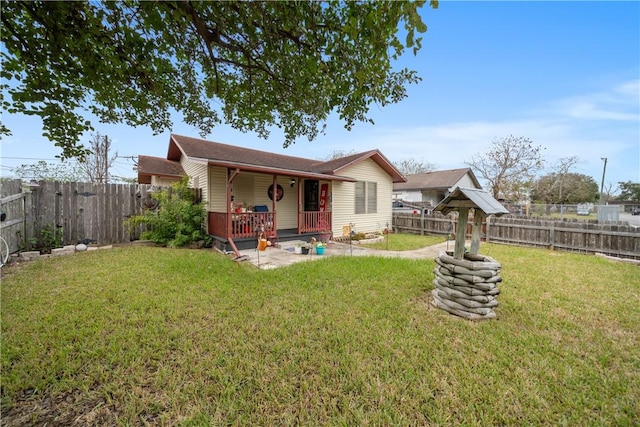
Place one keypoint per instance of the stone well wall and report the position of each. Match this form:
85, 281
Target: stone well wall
466, 287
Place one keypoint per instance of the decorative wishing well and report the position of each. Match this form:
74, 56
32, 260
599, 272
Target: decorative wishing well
466, 283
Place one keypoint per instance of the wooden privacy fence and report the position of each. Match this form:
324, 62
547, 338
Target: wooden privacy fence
12, 205
615, 239
435, 224
76, 211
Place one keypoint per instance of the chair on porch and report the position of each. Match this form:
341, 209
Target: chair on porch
267, 228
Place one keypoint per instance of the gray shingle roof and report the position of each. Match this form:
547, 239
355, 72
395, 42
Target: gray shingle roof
149, 165
471, 198
216, 151
435, 180
226, 155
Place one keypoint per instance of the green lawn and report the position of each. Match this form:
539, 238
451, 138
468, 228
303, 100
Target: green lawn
405, 242
566, 215
135, 336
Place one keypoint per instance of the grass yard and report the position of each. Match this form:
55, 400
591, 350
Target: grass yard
136, 336
405, 242
566, 215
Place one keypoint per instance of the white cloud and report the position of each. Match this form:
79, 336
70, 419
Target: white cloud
621, 102
630, 89
596, 125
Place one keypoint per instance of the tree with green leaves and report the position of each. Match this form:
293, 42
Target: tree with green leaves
562, 168
509, 166
629, 191
252, 65
574, 188
549, 188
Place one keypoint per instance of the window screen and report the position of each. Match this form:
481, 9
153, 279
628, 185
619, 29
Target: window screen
360, 197
372, 197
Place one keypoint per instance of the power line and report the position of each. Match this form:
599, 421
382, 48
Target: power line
134, 159
29, 158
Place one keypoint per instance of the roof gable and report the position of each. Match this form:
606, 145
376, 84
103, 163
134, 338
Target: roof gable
471, 198
338, 165
436, 180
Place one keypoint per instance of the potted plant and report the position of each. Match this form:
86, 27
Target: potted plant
305, 249
320, 247
297, 248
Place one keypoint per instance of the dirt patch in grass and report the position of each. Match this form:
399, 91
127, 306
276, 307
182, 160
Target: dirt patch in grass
72, 408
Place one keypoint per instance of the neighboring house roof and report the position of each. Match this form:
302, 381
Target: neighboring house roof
149, 166
224, 155
436, 180
471, 198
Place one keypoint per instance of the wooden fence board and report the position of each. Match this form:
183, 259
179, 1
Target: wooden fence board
12, 203
96, 212
614, 239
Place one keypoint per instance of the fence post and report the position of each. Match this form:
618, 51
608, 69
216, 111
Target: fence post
476, 231
552, 235
461, 233
488, 233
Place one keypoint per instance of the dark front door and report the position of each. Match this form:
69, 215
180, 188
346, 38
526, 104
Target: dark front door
311, 195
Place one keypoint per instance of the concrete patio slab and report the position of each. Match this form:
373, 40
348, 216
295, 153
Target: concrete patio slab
274, 257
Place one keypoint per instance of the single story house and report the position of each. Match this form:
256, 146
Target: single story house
247, 192
431, 188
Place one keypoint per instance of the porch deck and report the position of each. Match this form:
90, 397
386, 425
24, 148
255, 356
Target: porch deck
243, 227
284, 235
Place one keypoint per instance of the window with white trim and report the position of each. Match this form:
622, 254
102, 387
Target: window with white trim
366, 197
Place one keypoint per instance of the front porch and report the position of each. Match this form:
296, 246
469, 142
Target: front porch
243, 228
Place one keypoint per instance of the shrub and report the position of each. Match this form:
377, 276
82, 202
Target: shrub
178, 219
50, 238
358, 236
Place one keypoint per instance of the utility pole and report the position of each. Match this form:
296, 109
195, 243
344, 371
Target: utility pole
604, 170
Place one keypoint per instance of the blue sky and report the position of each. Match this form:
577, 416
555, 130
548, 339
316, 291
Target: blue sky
564, 74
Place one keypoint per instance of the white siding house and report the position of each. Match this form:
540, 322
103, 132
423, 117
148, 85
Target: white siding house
247, 190
377, 209
432, 187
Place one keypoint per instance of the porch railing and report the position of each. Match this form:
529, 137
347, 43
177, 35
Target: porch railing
217, 224
314, 221
243, 224
248, 224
